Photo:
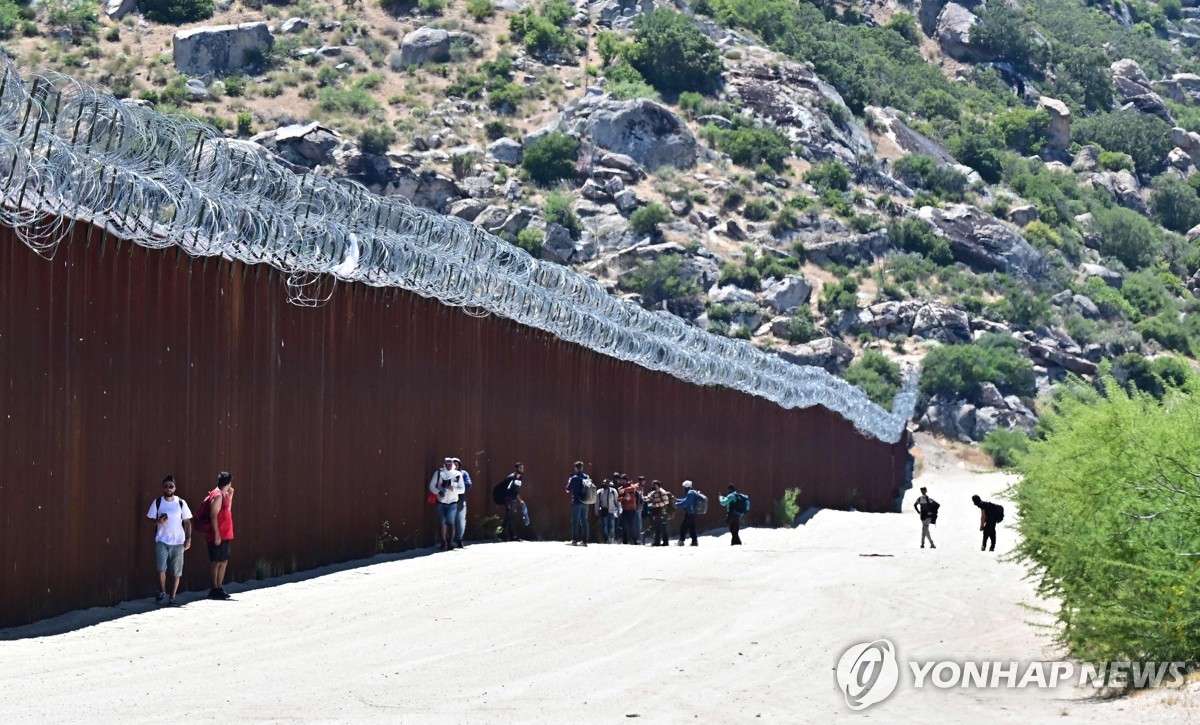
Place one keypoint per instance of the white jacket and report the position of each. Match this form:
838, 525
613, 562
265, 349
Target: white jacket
447, 485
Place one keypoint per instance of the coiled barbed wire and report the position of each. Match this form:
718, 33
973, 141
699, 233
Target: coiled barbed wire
70, 153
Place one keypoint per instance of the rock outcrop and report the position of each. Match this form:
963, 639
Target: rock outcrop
222, 49
982, 241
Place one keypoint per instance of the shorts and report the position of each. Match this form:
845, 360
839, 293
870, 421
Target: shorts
218, 552
169, 558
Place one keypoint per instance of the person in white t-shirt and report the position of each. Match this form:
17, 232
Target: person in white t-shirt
174, 520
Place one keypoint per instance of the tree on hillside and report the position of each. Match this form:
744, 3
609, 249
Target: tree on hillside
673, 55
176, 11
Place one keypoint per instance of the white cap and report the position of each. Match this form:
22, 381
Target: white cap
687, 484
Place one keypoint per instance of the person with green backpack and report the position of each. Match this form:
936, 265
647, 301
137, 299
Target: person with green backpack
736, 506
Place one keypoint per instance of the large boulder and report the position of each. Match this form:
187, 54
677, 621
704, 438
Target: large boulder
981, 241
791, 98
647, 132
785, 295
1110, 277
506, 151
953, 33
935, 321
950, 417
423, 188
306, 145
1058, 134
1123, 186
619, 13
222, 49
117, 9
831, 354
889, 122
1134, 87
425, 45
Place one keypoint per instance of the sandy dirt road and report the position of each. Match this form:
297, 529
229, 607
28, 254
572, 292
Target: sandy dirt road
545, 632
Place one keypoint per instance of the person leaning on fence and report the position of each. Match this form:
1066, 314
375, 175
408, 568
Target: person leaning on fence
606, 509
631, 513
446, 486
460, 516
734, 510
927, 509
174, 536
660, 500
579, 509
688, 503
511, 488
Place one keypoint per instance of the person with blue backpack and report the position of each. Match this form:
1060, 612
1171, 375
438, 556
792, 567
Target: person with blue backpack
689, 503
736, 506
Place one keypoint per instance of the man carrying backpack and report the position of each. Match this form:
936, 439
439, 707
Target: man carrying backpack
688, 502
446, 486
576, 486
508, 494
606, 508
216, 520
736, 506
460, 518
927, 509
174, 536
990, 514
631, 514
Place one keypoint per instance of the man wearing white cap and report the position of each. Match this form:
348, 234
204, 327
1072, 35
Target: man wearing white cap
447, 486
688, 502
460, 519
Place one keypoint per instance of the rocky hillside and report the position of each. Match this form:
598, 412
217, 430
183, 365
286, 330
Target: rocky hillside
1005, 193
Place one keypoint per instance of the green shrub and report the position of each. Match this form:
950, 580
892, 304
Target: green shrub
176, 11
545, 33
912, 234
905, 25
879, 377
1108, 516
748, 146
923, 172
745, 276
1115, 161
531, 241
550, 158
432, 7
1147, 139
646, 219
785, 510
1005, 446
839, 295
354, 101
1146, 293
660, 280
481, 10
1111, 303
936, 103
800, 327
673, 54
958, 369
1126, 236
376, 139
1167, 331
1023, 129
828, 175
757, 210
245, 124
558, 210
1175, 203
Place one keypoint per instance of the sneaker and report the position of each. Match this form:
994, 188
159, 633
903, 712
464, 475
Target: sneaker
932, 546
221, 594
162, 597
171, 602
583, 543
695, 543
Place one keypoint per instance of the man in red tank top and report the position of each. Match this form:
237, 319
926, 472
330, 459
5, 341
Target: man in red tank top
220, 531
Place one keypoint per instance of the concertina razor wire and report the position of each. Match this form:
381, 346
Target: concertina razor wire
70, 153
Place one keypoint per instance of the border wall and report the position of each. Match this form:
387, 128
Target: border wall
120, 364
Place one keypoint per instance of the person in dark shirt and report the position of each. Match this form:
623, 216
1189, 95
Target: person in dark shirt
579, 508
987, 522
512, 502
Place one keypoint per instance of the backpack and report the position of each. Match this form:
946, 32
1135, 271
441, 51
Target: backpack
587, 493
500, 493
699, 504
203, 520
995, 513
931, 510
740, 505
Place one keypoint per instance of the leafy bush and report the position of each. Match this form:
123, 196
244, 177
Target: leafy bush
923, 172
355, 101
879, 377
936, 103
550, 158
432, 7
958, 369
786, 509
558, 210
757, 210
176, 11
545, 33
1005, 446
749, 147
905, 25
1175, 203
800, 327
1111, 303
376, 139
828, 175
1108, 508
531, 241
839, 295
1146, 293
660, 280
1147, 139
646, 219
1115, 161
1126, 236
912, 234
480, 10
672, 54
1003, 32
745, 276
1167, 331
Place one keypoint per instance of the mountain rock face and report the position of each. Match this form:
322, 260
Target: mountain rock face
980, 240
222, 49
645, 131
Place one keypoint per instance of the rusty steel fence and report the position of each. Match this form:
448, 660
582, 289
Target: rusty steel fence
120, 364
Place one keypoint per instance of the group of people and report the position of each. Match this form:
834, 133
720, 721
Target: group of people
173, 536
990, 514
